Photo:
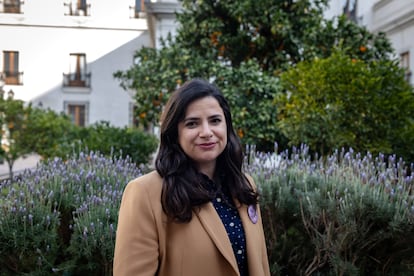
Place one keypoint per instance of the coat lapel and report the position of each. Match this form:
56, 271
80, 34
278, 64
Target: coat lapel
253, 241
214, 227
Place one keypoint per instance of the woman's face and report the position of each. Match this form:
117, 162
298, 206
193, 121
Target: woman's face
203, 133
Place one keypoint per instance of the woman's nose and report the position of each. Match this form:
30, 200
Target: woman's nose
205, 131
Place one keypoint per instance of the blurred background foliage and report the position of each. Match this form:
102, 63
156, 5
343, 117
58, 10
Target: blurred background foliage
246, 47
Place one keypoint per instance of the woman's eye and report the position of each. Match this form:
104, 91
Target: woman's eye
216, 121
191, 124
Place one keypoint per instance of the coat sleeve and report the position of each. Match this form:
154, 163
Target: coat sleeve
136, 245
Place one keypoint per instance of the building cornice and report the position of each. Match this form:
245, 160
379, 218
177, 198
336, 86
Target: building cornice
399, 23
85, 27
380, 4
390, 17
156, 12
162, 8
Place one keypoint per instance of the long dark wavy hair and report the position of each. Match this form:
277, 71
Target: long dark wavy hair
183, 189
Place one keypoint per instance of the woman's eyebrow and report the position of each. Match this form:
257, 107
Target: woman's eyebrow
191, 119
215, 116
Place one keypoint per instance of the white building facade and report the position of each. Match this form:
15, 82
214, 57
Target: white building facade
61, 54
393, 17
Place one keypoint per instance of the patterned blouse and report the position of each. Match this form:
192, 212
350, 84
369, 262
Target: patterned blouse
229, 215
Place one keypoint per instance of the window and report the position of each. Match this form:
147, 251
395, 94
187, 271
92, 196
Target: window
405, 63
77, 76
77, 111
138, 9
11, 68
77, 8
11, 6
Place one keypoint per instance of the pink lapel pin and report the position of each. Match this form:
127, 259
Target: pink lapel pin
251, 211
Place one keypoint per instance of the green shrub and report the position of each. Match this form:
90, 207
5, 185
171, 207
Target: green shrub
341, 101
114, 141
345, 215
48, 133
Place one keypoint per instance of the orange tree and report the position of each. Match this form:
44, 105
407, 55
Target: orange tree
243, 46
12, 122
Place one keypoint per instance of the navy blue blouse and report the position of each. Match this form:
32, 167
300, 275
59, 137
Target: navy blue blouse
224, 205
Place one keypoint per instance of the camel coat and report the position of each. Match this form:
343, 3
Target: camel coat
146, 244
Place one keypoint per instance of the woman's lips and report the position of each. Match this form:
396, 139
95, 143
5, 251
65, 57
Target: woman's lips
207, 146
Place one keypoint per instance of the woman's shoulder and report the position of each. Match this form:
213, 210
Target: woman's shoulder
151, 182
250, 179
148, 177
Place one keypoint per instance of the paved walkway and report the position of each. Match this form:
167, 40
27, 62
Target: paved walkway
20, 164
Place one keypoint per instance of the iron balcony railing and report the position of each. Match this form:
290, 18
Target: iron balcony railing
77, 10
12, 78
11, 6
77, 80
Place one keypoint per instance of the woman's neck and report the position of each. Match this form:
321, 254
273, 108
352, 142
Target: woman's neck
208, 170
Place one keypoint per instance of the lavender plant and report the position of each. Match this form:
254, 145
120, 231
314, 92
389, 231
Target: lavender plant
346, 214
61, 217
95, 217
28, 211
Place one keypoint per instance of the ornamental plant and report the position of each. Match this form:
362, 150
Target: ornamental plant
61, 217
109, 140
341, 101
13, 123
346, 214
29, 224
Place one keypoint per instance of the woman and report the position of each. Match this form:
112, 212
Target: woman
197, 214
